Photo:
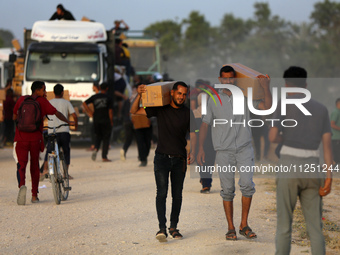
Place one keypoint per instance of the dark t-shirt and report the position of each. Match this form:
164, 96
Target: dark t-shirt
309, 130
173, 126
66, 16
102, 103
8, 108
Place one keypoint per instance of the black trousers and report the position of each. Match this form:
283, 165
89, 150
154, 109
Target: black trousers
103, 133
164, 167
143, 138
129, 135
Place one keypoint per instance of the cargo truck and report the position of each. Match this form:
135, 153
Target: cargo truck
73, 53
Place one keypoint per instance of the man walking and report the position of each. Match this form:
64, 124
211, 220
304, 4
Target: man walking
31, 142
300, 148
335, 125
174, 122
102, 120
63, 132
233, 146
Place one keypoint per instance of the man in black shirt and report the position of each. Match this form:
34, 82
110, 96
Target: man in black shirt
174, 122
62, 14
102, 119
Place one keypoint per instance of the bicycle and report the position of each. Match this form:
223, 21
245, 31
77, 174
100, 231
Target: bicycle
57, 168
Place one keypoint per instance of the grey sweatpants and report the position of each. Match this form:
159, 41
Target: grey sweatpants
287, 192
238, 160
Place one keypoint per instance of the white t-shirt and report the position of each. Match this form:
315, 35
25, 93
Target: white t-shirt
66, 108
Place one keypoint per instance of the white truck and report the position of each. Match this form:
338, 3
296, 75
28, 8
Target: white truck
73, 53
4, 66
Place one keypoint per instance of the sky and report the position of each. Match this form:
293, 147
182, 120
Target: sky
19, 14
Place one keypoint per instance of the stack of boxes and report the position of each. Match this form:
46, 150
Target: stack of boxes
2, 99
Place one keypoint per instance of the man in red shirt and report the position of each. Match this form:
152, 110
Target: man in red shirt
31, 143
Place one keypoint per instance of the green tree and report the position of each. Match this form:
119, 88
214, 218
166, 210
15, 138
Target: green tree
197, 33
232, 33
266, 49
6, 37
326, 25
197, 46
265, 42
168, 33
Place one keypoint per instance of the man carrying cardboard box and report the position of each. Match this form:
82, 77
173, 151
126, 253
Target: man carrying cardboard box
174, 122
233, 146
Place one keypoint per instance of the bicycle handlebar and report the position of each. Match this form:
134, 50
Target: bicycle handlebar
61, 125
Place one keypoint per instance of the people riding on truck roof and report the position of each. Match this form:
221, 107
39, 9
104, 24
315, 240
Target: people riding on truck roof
117, 29
62, 14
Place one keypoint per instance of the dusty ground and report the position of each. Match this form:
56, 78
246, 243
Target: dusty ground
111, 210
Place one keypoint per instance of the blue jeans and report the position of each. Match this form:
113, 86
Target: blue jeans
176, 167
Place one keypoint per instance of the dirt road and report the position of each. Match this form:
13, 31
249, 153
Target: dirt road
111, 210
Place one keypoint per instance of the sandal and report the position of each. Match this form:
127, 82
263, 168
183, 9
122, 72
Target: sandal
231, 235
162, 235
249, 235
175, 233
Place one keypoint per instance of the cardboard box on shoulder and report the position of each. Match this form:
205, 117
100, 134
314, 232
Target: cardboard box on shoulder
70, 117
140, 111
50, 95
140, 121
157, 94
2, 94
247, 77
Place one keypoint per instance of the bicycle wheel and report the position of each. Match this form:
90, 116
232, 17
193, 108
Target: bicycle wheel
55, 183
65, 186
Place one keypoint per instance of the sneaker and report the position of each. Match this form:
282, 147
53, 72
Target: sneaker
94, 155
106, 160
122, 155
174, 233
205, 190
21, 200
143, 163
35, 200
162, 235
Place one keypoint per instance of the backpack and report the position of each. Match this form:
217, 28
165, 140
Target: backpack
29, 115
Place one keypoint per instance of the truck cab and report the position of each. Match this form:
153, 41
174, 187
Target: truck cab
72, 53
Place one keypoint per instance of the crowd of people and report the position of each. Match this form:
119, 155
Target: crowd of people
217, 144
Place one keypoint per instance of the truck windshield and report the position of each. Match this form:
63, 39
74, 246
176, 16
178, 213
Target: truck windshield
63, 67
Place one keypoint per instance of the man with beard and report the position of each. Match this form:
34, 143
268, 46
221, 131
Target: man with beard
233, 146
174, 122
